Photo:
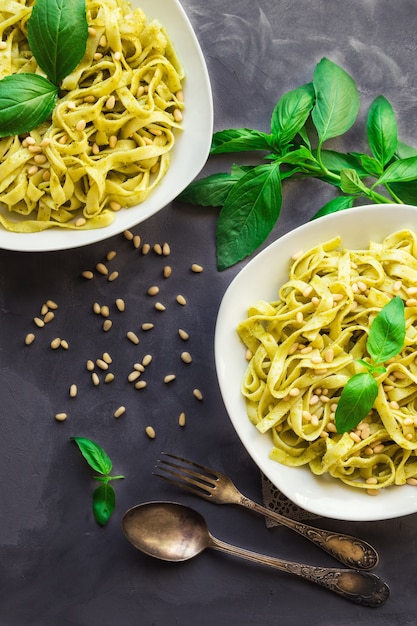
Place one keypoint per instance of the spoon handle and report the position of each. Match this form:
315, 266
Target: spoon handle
348, 550
357, 586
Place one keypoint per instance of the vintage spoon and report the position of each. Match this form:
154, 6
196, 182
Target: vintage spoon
174, 532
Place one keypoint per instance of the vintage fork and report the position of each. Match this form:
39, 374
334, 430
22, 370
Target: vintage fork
219, 488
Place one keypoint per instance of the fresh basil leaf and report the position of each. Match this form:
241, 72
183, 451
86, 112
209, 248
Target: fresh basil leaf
57, 35
239, 140
337, 100
94, 455
370, 165
26, 100
211, 190
382, 130
337, 204
104, 501
290, 114
301, 156
351, 183
387, 333
403, 150
399, 171
406, 191
357, 399
249, 214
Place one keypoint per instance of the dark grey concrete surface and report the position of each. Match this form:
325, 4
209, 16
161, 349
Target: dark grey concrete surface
57, 567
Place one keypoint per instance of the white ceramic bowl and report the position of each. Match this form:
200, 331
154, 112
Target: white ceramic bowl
189, 153
261, 279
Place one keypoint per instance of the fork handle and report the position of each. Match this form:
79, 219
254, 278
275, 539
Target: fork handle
348, 550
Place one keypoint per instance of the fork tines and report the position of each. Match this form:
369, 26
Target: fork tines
183, 476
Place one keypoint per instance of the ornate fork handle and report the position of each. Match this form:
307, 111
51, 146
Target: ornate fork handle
349, 550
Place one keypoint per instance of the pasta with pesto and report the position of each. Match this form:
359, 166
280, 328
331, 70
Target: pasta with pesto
109, 141
303, 348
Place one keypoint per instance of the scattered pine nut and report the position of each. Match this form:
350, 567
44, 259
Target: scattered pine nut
196, 268
181, 300
104, 310
109, 377
102, 269
96, 308
113, 276
111, 255
152, 291
107, 324
167, 271
95, 379
141, 384
88, 274
51, 304
107, 358
133, 376
49, 317
186, 357
147, 359
136, 242
30, 338
55, 343
146, 248
181, 419
61, 417
90, 365
150, 431
120, 304
119, 412
197, 394
183, 334
73, 391
157, 249
128, 235
160, 307
169, 378
147, 326
132, 337
102, 364
139, 367
39, 322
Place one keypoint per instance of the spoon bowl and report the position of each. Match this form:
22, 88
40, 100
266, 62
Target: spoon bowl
173, 532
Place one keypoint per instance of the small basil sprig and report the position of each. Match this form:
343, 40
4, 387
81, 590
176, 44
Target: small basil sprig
57, 35
303, 120
385, 340
104, 496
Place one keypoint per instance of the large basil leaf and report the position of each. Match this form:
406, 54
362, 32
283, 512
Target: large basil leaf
382, 130
239, 140
290, 113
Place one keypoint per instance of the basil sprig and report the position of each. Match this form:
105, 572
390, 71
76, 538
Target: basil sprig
57, 35
385, 340
104, 496
303, 120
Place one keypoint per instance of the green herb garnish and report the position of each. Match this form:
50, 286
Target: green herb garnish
57, 36
302, 121
385, 341
104, 496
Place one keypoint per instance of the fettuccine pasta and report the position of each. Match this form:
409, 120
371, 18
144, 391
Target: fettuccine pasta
303, 348
109, 141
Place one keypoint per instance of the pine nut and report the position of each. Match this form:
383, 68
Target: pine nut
104, 310
133, 376
139, 367
169, 378
152, 291
81, 124
120, 304
109, 377
197, 394
132, 337
197, 269
107, 324
186, 357
102, 364
87, 274
141, 384
157, 249
48, 317
167, 271
119, 412
73, 391
159, 306
90, 365
30, 338
61, 417
372, 492
146, 248
177, 115
115, 206
128, 235
183, 334
111, 101
150, 431
102, 269
181, 300
95, 379
136, 242
113, 276
39, 322
166, 250
147, 359
147, 326
181, 419
55, 343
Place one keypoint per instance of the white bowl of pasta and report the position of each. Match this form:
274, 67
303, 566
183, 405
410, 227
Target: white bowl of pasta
301, 335
128, 133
